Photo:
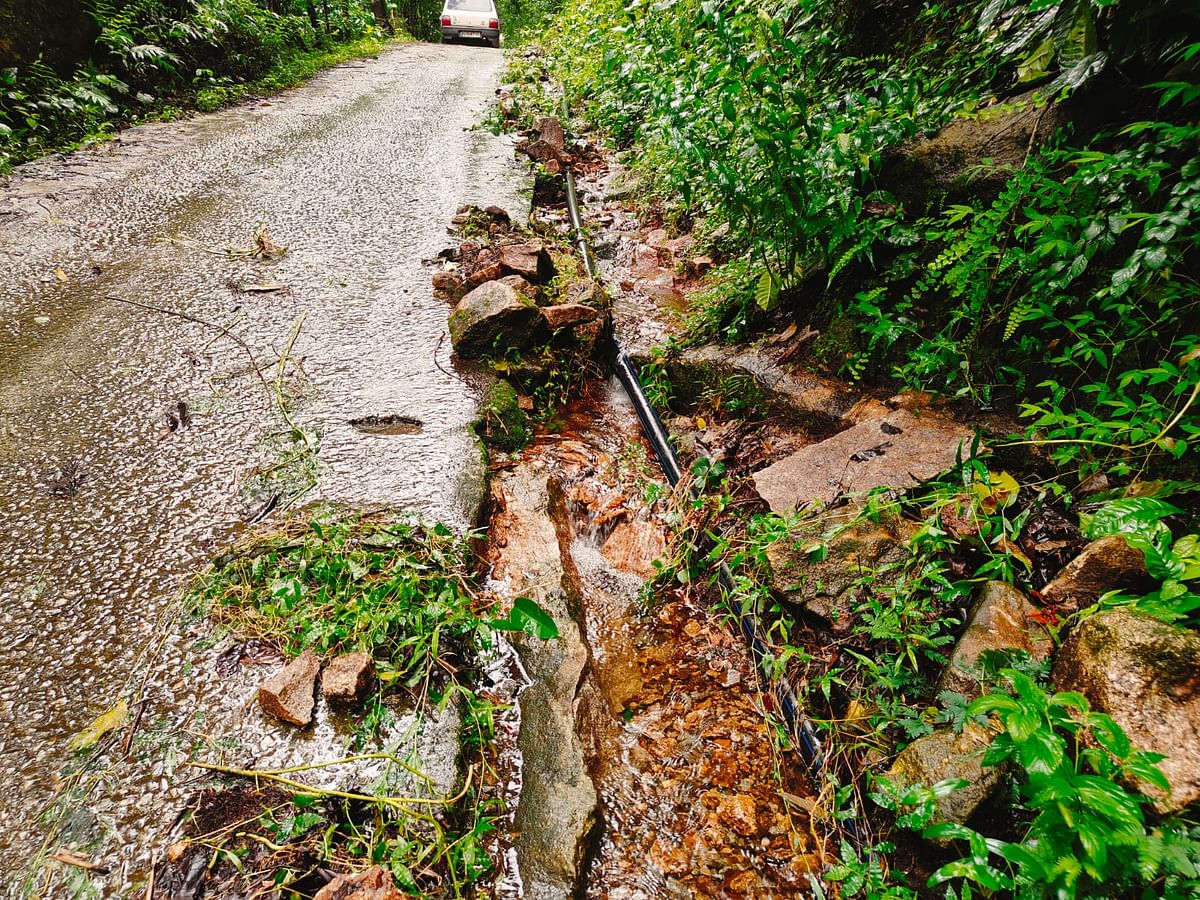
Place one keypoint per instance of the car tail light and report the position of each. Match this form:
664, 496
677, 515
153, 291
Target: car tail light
445, 20
493, 23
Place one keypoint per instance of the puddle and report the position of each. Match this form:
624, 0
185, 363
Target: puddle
388, 425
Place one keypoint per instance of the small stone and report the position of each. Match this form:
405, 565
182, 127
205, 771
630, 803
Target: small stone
738, 812
657, 238
448, 282
290, 694
484, 274
634, 546
373, 884
1104, 565
586, 291
530, 260
943, 755
700, 265
347, 677
1143, 673
553, 166
1000, 620
566, 315
493, 316
498, 214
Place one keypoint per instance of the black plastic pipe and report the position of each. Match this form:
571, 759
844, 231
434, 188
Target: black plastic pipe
798, 724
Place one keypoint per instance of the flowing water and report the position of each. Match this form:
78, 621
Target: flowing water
128, 435
693, 797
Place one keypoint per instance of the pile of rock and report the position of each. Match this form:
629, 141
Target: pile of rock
512, 310
291, 693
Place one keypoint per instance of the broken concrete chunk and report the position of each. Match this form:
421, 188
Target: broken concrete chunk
1143, 673
944, 755
1104, 565
530, 260
862, 458
567, 315
493, 317
373, 884
290, 694
1000, 620
348, 677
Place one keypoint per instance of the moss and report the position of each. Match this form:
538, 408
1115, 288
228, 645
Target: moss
502, 423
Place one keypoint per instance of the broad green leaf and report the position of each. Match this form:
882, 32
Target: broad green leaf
528, 617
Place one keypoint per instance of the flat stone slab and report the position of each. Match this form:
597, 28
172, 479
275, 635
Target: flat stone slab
898, 450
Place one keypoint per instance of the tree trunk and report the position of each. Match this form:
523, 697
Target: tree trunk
382, 19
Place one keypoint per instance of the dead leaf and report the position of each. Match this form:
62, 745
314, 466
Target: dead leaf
101, 725
786, 335
60, 274
265, 287
266, 247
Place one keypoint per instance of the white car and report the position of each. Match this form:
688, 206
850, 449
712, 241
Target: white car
474, 19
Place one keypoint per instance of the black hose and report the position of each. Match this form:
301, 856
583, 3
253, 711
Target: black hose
798, 724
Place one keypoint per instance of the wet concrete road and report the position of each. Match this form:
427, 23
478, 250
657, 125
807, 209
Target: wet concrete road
104, 509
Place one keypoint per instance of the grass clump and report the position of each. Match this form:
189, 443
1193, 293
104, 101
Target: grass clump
393, 588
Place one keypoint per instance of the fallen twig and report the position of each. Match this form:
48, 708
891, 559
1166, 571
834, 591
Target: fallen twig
401, 803
71, 858
198, 321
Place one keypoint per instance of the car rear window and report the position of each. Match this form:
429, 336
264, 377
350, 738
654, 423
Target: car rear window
469, 5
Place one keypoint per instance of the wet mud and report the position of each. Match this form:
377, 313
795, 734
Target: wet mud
129, 431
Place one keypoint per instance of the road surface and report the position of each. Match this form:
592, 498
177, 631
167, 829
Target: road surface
111, 494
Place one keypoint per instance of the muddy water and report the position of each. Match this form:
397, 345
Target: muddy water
107, 500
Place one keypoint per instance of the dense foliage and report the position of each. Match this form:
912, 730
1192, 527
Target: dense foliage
149, 56
1061, 280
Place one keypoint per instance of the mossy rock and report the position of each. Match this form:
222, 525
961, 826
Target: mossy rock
502, 422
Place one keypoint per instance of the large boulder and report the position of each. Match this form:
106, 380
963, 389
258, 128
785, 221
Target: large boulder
634, 547
971, 156
1146, 675
897, 451
558, 809
290, 694
1001, 619
494, 317
943, 755
1104, 565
